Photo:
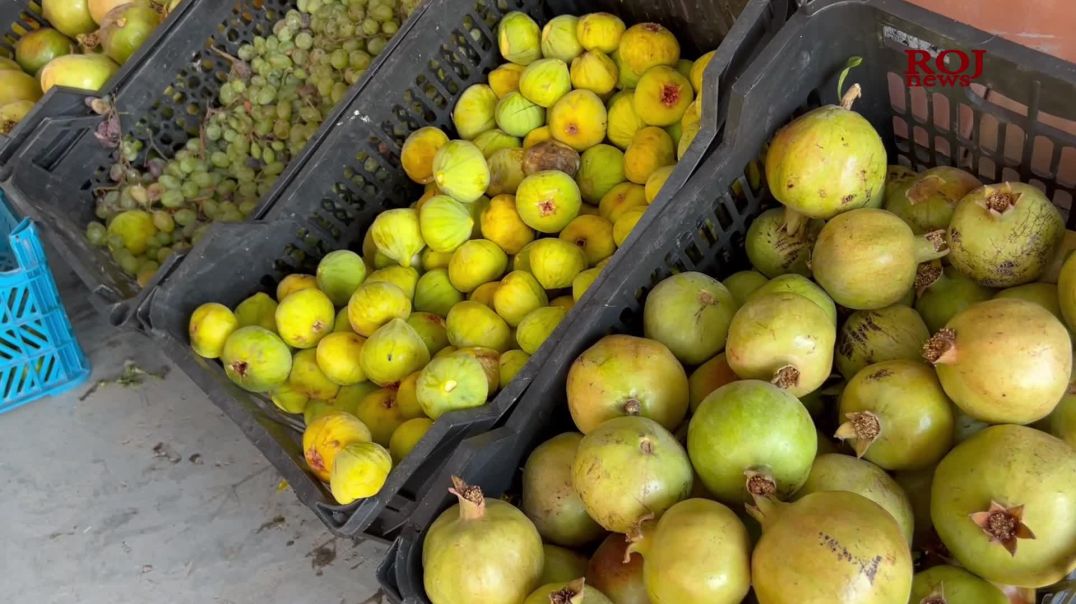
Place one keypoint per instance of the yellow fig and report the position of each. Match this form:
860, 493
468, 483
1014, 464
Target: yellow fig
510, 364
505, 172
505, 78
428, 192
407, 436
537, 136
339, 274
623, 122
492, 141
349, 397
626, 223
434, 293
342, 323
307, 377
445, 223
698, 68
375, 304
559, 40
599, 31
293, 283
431, 328
403, 277
256, 359
289, 399
406, 397
545, 81
360, 471
662, 96
338, 357
473, 324
473, 113
483, 294
433, 260
392, 352
621, 198
628, 78
396, 234
517, 116
593, 234
259, 309
379, 411
304, 318
567, 302
325, 437
547, 201
476, 262
583, 281
651, 148
537, 326
209, 328
518, 294
460, 171
645, 45
600, 168
451, 383
656, 181
489, 359
518, 38
555, 263
416, 156
578, 120
595, 71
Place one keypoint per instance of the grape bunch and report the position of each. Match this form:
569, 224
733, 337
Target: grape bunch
278, 91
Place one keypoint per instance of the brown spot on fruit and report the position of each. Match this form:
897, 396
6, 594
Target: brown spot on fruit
547, 207
847, 199
572, 129
240, 368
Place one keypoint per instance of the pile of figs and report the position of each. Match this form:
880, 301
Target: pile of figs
882, 411
447, 299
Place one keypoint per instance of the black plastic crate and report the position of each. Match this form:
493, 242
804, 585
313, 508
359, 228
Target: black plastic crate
1003, 126
161, 100
352, 175
20, 16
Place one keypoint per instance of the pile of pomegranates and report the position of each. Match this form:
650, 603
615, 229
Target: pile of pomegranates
883, 411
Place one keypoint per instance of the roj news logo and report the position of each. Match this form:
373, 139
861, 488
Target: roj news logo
945, 68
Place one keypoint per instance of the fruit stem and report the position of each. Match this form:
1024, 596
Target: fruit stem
639, 537
854, 92
931, 246
572, 593
765, 510
472, 503
862, 428
795, 222
941, 347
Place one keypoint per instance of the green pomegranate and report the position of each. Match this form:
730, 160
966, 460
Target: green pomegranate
1015, 371
802, 286
751, 437
617, 572
1062, 420
773, 250
835, 547
927, 201
946, 584
699, 551
628, 468
1066, 291
942, 293
569, 592
897, 415
548, 499
125, 28
1002, 503
36, 48
690, 313
1005, 234
827, 161
873, 336
561, 564
744, 283
504, 551
916, 486
867, 258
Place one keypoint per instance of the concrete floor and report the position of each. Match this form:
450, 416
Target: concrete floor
150, 494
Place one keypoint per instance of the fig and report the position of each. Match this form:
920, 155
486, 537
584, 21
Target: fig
656, 182
583, 281
308, 378
505, 171
873, 336
690, 314
802, 286
537, 136
348, 397
548, 499
304, 318
698, 552
623, 122
444, 223
289, 399
551, 155
618, 572
326, 436
782, 337
651, 148
392, 352
1013, 372
256, 359
544, 82
946, 584
505, 556
1002, 504
510, 364
432, 260
339, 274
209, 327
627, 79
375, 304
744, 283
489, 359
405, 278
519, 294
505, 78
773, 250
627, 468
942, 293
594, 71
645, 45
476, 262
71, 17
517, 116
473, 324
360, 470
600, 168
599, 31
547, 201
17, 86
34, 49
434, 293
827, 161
830, 546
501, 224
569, 592
868, 258
593, 235
88, 72
133, 229
708, 377
473, 114
460, 171
416, 156
561, 564
397, 234
559, 40
926, 201
555, 262
897, 415
492, 141
381, 414
124, 30
698, 68
620, 199
578, 119
661, 96
751, 437
407, 436
483, 294
1005, 234
625, 375
537, 326
835, 472
293, 283
314, 410
431, 328
518, 38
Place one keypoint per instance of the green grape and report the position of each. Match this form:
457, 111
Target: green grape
247, 207
127, 202
359, 59
338, 92
185, 217
219, 159
190, 189
163, 254
172, 199
245, 52
101, 212
96, 233
268, 155
247, 190
375, 45
389, 28
149, 266
370, 26
202, 179
163, 221
381, 12
161, 238
126, 260
339, 59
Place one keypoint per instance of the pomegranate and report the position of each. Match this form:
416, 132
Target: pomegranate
71, 17
708, 377
782, 337
1066, 291
561, 564
1002, 503
617, 572
946, 584
628, 468
835, 547
1005, 234
916, 485
548, 499
1003, 361
800, 285
575, 591
627, 376
1062, 420
940, 294
928, 200
897, 415
742, 284
775, 251
751, 437
124, 30
99, 9
1064, 250
690, 313
36, 48
503, 551
827, 161
884, 334
867, 258
835, 472
84, 72
699, 551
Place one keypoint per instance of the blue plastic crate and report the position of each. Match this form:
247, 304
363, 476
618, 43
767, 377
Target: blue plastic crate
39, 354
